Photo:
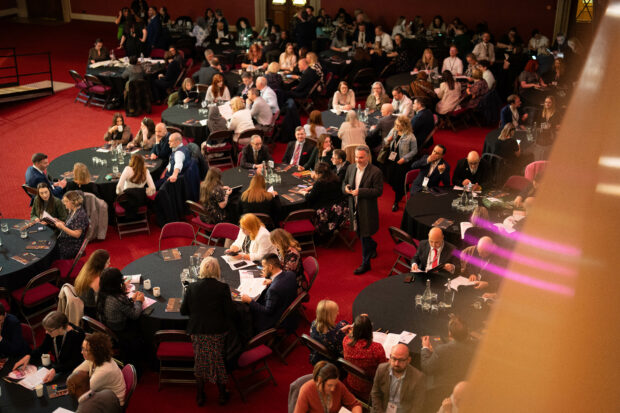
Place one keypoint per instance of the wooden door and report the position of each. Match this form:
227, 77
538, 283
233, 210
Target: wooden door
281, 12
49, 9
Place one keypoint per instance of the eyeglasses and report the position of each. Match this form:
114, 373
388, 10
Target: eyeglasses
50, 331
398, 360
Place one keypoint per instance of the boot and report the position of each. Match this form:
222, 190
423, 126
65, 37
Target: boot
201, 397
224, 394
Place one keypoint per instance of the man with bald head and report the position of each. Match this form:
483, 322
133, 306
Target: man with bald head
383, 127
267, 93
103, 401
398, 386
435, 251
479, 263
307, 80
453, 403
470, 171
178, 162
161, 148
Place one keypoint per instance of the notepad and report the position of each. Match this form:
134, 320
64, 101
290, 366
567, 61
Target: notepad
171, 254
134, 279
252, 287
459, 281
389, 340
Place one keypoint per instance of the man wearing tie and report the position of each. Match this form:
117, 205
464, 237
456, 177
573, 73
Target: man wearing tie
434, 252
359, 36
363, 183
433, 170
37, 172
298, 152
254, 154
485, 49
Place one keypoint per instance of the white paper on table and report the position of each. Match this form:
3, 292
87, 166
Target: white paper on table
457, 188
246, 275
62, 410
270, 189
135, 151
236, 264
493, 199
252, 287
464, 227
34, 379
104, 150
386, 340
344, 410
225, 111
458, 281
48, 216
203, 122
99, 64
134, 279
406, 337
148, 301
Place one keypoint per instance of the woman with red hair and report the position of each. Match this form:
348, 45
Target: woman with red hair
531, 84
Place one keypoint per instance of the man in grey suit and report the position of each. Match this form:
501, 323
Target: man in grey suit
363, 183
398, 386
104, 401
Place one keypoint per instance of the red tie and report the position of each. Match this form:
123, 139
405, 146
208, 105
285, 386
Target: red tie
434, 263
296, 155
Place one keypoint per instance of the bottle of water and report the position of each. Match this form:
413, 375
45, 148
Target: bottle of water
464, 197
448, 295
427, 297
141, 57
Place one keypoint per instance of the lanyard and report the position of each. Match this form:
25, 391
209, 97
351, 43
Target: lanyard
323, 402
64, 336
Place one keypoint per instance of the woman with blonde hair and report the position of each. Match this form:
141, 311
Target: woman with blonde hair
274, 80
402, 142
352, 131
214, 197
82, 180
87, 281
314, 128
208, 304
427, 62
289, 252
217, 92
288, 59
256, 199
241, 119
253, 241
325, 330
73, 230
377, 97
477, 90
135, 175
186, 92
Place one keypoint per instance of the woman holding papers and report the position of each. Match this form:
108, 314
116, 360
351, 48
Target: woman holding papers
325, 393
46, 202
73, 230
208, 304
253, 241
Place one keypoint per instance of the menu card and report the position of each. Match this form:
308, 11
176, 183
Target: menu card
171, 254
25, 258
291, 197
203, 252
39, 245
443, 223
174, 305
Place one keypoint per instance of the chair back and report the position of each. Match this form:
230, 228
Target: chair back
409, 178
157, 53
317, 346
131, 381
201, 88
224, 230
196, 208
78, 256
180, 78
174, 129
177, 230
172, 335
354, 370
90, 324
50, 276
30, 191
265, 219
77, 78
311, 270
28, 335
496, 164
292, 309
248, 133
220, 136
350, 151
261, 338
189, 63
429, 138
300, 215
398, 236
516, 182
92, 80
532, 169
363, 78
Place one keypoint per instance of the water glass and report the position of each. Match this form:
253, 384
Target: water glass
115, 169
0, 242
114, 157
23, 234
4, 227
93, 159
121, 160
104, 162
426, 307
434, 309
418, 302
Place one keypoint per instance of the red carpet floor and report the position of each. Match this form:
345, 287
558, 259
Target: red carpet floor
55, 125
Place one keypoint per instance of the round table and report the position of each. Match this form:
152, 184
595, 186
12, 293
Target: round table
14, 274
400, 79
112, 76
539, 152
188, 120
63, 165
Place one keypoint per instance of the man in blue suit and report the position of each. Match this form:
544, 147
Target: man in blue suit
422, 123
433, 170
281, 291
37, 173
511, 113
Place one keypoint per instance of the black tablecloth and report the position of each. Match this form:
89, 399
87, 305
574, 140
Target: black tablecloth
177, 115
14, 274
112, 76
399, 79
107, 188
538, 152
390, 304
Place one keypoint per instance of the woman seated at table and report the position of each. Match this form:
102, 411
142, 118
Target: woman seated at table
209, 305
421, 87
274, 80
256, 199
73, 230
289, 252
314, 128
377, 97
44, 201
427, 62
325, 388
104, 373
145, 138
217, 92
187, 94
241, 119
264, 33
352, 131
549, 121
63, 342
339, 42
118, 133
215, 120
313, 63
479, 219
214, 197
326, 330
476, 91
254, 60
244, 29
322, 152
253, 241
449, 93
288, 59
82, 180
530, 84
437, 26
98, 53
136, 175
359, 349
402, 143
508, 148
344, 98
87, 281
12, 344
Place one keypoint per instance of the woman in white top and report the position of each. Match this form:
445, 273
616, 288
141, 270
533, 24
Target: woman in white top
344, 98
253, 242
241, 118
288, 59
314, 128
102, 370
449, 91
136, 176
217, 92
352, 131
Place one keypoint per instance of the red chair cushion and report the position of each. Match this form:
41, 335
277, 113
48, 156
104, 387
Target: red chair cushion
303, 226
100, 89
64, 266
120, 211
81, 85
37, 294
203, 225
405, 249
6, 305
254, 355
175, 350
225, 148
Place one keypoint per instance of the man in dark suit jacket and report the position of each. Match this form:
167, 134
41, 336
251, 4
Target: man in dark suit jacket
89, 401
448, 363
470, 171
275, 299
411, 391
298, 152
477, 262
254, 154
153, 30
436, 251
37, 172
422, 123
204, 75
506, 115
247, 83
166, 81
363, 183
340, 163
385, 124
307, 80
432, 167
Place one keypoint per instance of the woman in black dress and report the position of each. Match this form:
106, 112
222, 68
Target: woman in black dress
326, 197
214, 197
256, 199
82, 180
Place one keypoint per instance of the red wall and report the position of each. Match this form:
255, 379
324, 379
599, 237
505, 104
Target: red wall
8, 4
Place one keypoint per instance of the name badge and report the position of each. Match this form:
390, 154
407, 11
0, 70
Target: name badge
391, 408
392, 156
425, 182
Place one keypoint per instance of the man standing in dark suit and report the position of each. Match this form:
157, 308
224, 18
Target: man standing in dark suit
422, 123
385, 124
153, 30
433, 170
339, 160
254, 154
281, 291
363, 183
434, 252
298, 152
470, 171
37, 172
